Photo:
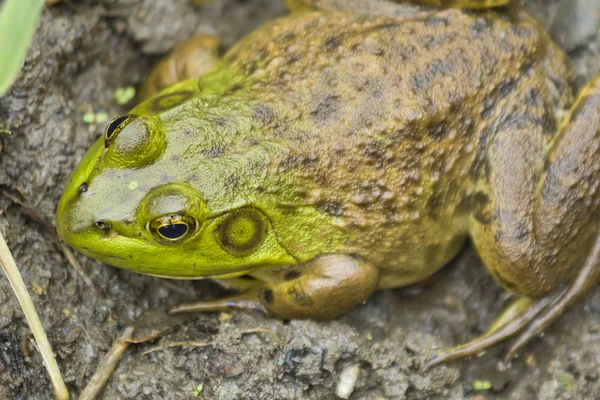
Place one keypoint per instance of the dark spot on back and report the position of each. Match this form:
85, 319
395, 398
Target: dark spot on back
549, 123
481, 199
235, 88
506, 87
482, 146
263, 114
435, 204
528, 66
327, 110
332, 42
430, 73
522, 232
288, 36
533, 98
436, 21
165, 178
438, 130
374, 152
480, 25
293, 58
331, 208
386, 26
214, 152
489, 105
522, 30
479, 202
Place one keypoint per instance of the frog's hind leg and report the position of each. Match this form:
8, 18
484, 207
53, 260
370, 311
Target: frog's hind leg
190, 59
541, 227
323, 288
387, 7
472, 4
364, 7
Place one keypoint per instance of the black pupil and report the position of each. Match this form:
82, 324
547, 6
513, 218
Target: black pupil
173, 231
114, 125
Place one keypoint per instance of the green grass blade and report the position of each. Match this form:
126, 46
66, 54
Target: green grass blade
18, 19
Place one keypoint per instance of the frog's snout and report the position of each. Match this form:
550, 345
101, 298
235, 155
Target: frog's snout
75, 216
68, 221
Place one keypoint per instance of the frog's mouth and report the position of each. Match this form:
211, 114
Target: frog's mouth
231, 275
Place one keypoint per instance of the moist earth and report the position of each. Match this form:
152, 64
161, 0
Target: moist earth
82, 53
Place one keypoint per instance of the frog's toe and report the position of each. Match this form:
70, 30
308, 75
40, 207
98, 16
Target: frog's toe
249, 301
514, 319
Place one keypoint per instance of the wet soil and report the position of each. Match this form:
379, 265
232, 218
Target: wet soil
83, 51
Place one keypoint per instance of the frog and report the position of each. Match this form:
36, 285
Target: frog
355, 146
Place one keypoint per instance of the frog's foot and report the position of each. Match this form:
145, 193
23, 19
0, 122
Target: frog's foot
528, 317
303, 291
188, 60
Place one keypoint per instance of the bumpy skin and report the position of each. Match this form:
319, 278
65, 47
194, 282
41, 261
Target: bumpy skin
385, 131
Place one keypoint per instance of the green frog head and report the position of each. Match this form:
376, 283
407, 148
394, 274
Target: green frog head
155, 195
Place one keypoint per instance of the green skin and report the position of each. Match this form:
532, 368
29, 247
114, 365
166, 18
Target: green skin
352, 148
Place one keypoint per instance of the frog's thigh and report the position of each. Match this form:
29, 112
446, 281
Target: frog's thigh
543, 202
366, 7
476, 4
386, 7
540, 226
188, 60
323, 288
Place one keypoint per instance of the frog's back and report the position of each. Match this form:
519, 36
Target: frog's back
389, 117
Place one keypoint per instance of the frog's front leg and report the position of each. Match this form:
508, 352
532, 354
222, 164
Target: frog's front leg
188, 60
538, 233
323, 288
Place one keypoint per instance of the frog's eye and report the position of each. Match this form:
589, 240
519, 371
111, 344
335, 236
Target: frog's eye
172, 228
116, 125
241, 232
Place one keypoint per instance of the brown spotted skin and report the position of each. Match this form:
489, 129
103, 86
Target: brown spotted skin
356, 147
391, 119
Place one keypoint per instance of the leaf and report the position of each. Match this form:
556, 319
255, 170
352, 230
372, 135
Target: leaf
18, 20
123, 95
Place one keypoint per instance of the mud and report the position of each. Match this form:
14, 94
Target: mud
83, 51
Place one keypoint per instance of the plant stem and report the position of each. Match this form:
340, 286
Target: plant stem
9, 266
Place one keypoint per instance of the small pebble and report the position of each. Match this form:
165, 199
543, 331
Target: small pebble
347, 381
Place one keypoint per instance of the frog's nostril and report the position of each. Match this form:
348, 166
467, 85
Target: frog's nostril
103, 225
83, 188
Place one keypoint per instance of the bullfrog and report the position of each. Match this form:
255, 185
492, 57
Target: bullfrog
354, 146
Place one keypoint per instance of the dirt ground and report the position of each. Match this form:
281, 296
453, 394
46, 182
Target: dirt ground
85, 50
